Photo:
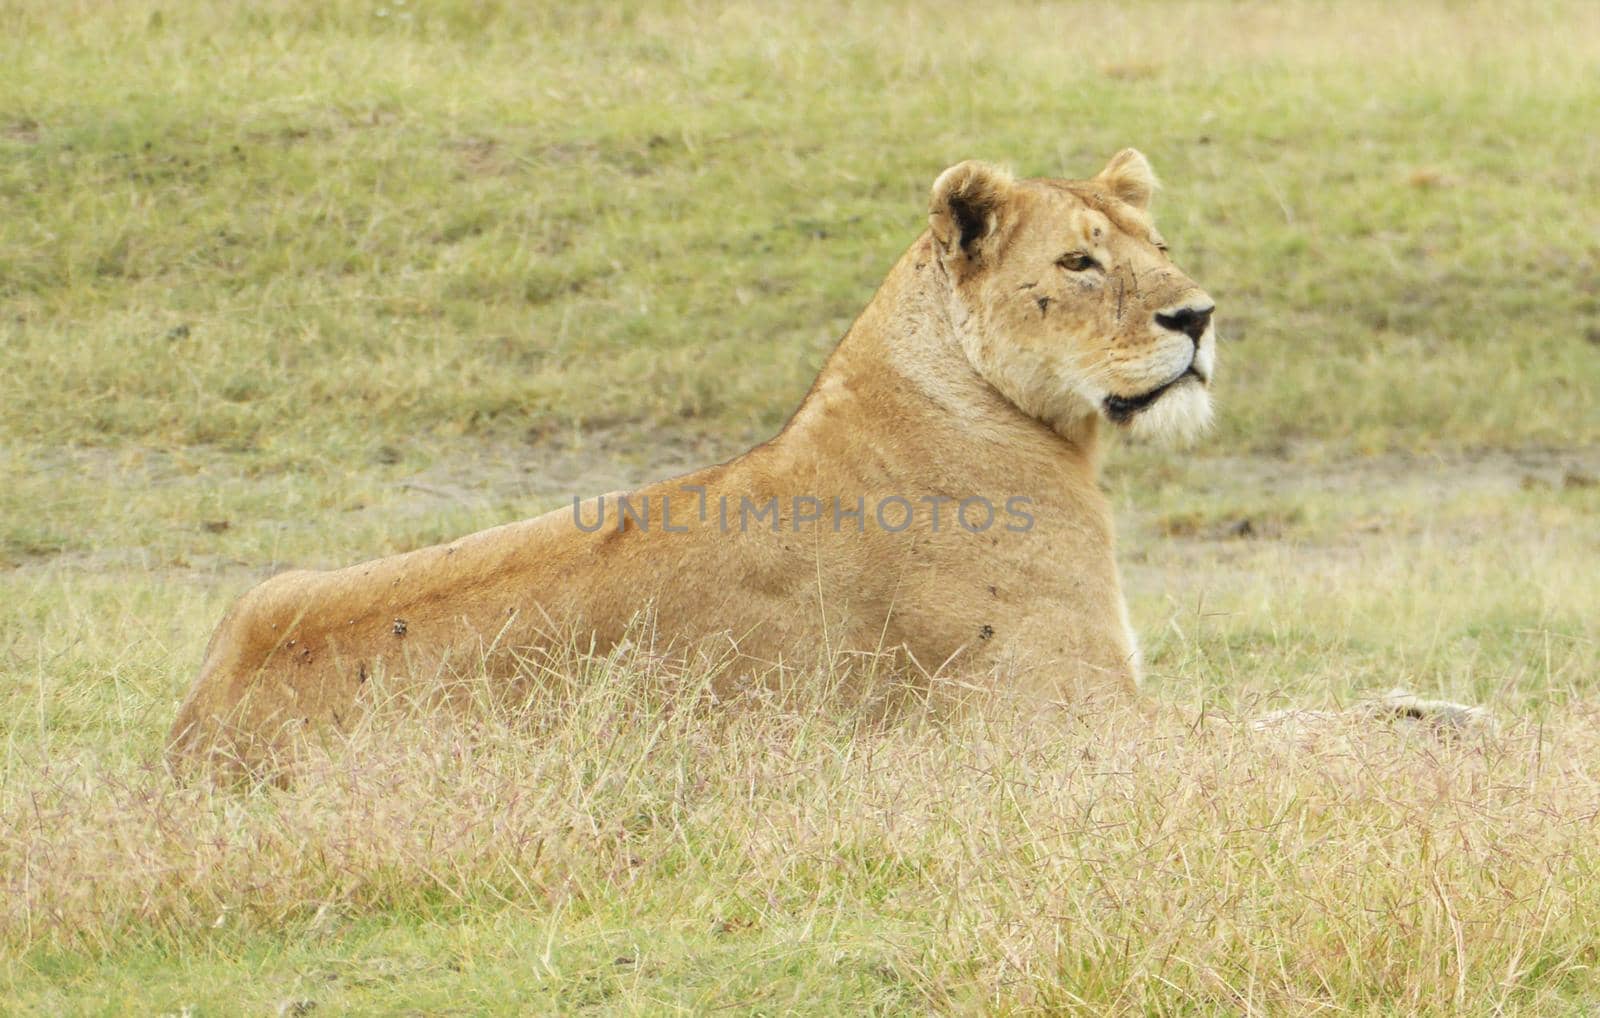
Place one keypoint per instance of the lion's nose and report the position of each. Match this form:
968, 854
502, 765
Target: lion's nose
1191, 321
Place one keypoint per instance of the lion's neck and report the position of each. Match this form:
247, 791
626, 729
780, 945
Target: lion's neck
902, 368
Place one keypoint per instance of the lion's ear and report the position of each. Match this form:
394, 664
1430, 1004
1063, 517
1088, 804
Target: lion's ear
967, 210
1128, 176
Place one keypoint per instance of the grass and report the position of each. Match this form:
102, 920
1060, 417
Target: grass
486, 220
300, 284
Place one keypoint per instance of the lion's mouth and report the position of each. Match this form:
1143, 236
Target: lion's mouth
1122, 409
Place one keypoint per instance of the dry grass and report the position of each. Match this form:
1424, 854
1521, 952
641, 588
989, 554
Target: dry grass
1004, 859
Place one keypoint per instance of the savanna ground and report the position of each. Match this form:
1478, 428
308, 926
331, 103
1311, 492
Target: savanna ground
300, 283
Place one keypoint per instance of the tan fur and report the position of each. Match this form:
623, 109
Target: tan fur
981, 369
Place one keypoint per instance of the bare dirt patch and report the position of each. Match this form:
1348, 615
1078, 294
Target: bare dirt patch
1218, 510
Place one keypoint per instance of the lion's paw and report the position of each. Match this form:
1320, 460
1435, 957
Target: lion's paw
1404, 710
1436, 717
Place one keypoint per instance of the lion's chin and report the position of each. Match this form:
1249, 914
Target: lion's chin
1178, 418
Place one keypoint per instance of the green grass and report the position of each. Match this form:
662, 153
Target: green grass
277, 227
295, 283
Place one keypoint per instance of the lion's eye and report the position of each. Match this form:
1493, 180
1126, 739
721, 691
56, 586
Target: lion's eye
1077, 261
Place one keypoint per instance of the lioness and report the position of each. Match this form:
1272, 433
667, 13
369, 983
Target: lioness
934, 496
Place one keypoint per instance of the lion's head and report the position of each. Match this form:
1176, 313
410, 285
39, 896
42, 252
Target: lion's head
1066, 301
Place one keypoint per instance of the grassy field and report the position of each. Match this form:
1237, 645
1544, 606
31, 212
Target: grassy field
298, 283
